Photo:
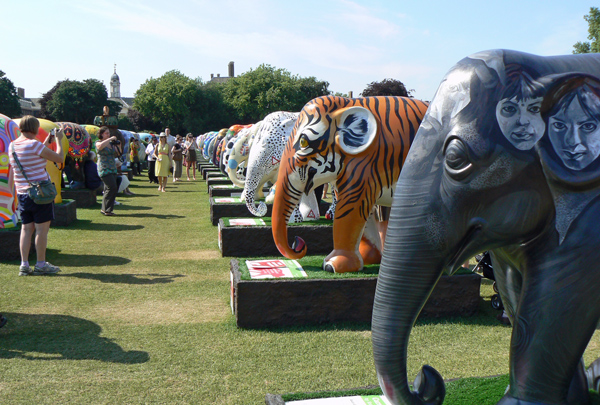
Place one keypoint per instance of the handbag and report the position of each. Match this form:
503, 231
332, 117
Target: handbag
41, 192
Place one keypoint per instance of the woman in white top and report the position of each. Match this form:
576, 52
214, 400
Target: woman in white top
190, 155
33, 156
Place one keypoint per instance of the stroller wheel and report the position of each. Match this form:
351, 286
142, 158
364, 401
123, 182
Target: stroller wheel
497, 302
495, 287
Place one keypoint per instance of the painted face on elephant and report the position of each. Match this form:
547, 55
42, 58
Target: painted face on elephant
520, 121
518, 112
475, 183
574, 130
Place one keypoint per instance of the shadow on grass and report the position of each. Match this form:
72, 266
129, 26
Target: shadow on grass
159, 216
82, 260
181, 191
86, 224
140, 195
126, 207
61, 337
127, 278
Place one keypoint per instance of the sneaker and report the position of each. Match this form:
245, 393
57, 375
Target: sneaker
25, 270
117, 203
47, 268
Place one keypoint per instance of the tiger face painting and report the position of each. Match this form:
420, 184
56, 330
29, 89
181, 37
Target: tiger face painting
358, 145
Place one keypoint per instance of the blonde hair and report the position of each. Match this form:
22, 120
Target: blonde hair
29, 124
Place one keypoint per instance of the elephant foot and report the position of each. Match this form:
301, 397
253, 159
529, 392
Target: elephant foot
369, 252
342, 261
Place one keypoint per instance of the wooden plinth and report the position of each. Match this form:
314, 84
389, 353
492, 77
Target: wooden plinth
294, 302
84, 198
235, 210
253, 241
208, 169
65, 213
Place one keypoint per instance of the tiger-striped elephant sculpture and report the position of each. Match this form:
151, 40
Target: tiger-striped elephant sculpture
358, 145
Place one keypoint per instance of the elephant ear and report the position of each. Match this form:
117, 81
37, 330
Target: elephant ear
288, 125
356, 130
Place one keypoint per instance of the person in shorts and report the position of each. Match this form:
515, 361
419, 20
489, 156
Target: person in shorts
32, 155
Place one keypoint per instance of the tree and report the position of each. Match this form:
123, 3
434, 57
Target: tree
170, 100
76, 101
125, 123
46, 97
386, 87
593, 20
9, 99
140, 122
257, 93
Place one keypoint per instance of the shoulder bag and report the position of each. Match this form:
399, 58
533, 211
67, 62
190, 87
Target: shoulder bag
41, 192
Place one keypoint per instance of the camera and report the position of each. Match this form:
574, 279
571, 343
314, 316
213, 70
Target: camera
115, 142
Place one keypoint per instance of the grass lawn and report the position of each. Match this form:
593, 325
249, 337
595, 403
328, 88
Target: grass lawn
140, 314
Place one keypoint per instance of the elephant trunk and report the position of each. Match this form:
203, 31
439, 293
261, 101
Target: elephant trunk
286, 201
232, 167
410, 269
255, 178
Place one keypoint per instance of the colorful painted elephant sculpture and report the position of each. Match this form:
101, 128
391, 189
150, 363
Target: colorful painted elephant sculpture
359, 146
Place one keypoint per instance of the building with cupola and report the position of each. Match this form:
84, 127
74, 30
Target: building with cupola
115, 93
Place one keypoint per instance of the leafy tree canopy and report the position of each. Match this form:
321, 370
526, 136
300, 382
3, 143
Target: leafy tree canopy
257, 93
593, 20
9, 99
75, 101
386, 87
169, 100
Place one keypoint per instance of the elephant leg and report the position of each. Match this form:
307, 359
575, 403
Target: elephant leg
509, 282
556, 317
369, 252
371, 247
347, 232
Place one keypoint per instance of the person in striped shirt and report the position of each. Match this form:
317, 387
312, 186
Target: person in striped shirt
32, 155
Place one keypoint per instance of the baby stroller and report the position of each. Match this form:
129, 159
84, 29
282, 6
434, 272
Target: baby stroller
484, 266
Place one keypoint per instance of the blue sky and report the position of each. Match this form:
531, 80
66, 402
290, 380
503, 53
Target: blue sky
348, 43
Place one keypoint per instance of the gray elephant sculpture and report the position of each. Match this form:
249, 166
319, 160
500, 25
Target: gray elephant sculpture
505, 160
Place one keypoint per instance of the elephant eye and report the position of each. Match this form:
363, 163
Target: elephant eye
456, 158
303, 142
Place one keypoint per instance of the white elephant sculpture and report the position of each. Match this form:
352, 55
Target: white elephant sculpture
263, 165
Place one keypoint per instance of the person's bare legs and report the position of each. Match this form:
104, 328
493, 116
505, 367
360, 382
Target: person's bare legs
41, 240
25, 241
194, 169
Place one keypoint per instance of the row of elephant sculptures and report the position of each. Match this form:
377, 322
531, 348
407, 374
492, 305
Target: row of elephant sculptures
251, 156
505, 159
